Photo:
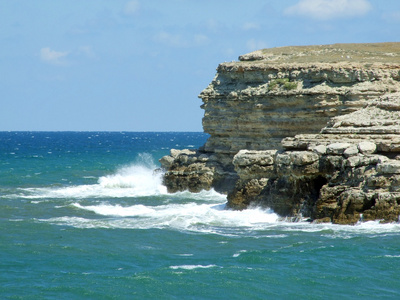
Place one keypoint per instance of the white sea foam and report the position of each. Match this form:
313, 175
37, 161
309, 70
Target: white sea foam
371, 228
192, 267
239, 253
117, 210
134, 176
190, 216
213, 218
136, 180
205, 218
203, 212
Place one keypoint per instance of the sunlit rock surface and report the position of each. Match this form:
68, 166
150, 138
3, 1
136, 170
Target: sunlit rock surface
307, 131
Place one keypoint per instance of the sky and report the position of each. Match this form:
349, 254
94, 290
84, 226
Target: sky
101, 65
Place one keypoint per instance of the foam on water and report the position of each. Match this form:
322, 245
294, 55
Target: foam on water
136, 180
84, 236
142, 178
193, 267
199, 212
190, 216
212, 219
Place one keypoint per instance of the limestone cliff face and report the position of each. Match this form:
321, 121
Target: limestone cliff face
338, 176
267, 116
255, 104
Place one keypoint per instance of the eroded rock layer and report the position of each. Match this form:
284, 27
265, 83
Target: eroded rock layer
339, 175
307, 131
254, 104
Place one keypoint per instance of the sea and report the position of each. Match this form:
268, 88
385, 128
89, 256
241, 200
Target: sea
84, 215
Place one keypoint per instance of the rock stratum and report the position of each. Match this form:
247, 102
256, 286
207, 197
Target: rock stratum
310, 132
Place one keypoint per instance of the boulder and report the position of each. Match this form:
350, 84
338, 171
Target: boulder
337, 148
366, 147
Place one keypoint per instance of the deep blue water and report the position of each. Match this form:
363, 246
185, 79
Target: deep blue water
83, 215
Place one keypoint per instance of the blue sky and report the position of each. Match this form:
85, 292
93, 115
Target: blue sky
139, 65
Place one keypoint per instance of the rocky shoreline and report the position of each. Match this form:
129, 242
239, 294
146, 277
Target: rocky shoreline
308, 132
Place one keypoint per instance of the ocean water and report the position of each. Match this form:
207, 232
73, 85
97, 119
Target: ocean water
83, 215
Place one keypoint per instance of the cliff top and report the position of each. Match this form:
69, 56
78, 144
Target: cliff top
335, 53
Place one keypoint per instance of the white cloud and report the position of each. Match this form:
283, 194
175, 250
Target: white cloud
253, 45
53, 57
131, 8
329, 9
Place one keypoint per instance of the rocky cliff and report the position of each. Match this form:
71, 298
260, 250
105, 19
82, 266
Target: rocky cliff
307, 131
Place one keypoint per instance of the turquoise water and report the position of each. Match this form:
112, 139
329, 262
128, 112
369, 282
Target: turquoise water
83, 215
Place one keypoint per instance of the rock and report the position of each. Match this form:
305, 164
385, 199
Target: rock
361, 160
281, 96
243, 195
195, 177
322, 220
189, 170
378, 123
320, 149
175, 153
246, 157
166, 162
283, 159
301, 158
389, 167
337, 148
303, 131
366, 147
351, 151
254, 164
203, 157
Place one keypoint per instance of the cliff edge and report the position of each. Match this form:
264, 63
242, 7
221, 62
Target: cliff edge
309, 131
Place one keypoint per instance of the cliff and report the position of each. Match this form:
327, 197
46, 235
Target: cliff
308, 131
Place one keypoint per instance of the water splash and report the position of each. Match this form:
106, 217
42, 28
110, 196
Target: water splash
135, 180
204, 217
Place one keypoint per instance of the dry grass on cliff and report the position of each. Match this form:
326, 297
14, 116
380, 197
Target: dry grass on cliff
355, 53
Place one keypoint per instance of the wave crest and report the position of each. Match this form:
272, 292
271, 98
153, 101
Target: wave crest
135, 180
191, 216
143, 180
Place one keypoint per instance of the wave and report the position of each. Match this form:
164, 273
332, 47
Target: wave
203, 212
189, 216
212, 218
195, 217
139, 176
140, 179
136, 180
193, 267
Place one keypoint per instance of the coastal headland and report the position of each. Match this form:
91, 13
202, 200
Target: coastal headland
308, 131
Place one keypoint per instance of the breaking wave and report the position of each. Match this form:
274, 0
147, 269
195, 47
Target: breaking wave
136, 180
211, 218
134, 197
204, 217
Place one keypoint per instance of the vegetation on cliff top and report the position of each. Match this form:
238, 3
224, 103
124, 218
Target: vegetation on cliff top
361, 53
